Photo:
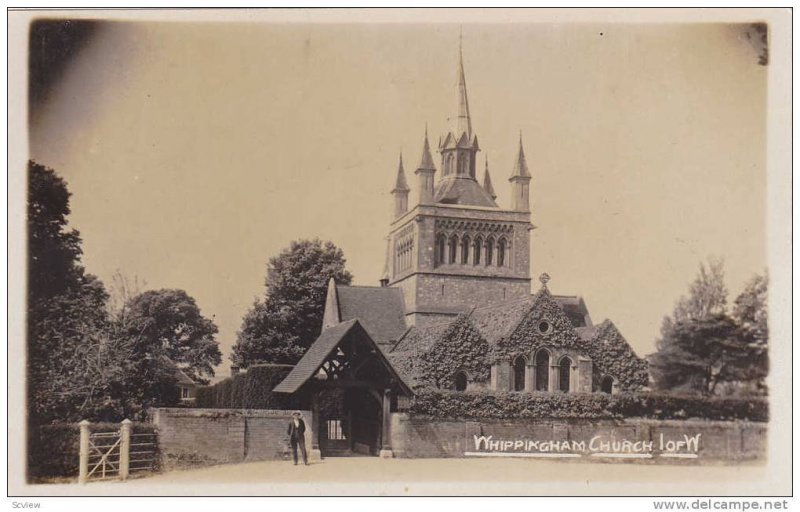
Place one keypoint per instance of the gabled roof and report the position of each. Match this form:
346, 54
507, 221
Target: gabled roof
182, 378
314, 357
462, 190
323, 346
499, 320
380, 309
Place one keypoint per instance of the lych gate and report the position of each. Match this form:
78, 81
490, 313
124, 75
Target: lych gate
352, 389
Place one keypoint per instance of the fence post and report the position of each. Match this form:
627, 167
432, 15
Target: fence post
83, 465
124, 448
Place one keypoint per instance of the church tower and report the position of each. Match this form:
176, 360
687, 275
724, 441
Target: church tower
457, 249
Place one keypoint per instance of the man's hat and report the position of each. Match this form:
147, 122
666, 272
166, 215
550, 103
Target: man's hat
297, 413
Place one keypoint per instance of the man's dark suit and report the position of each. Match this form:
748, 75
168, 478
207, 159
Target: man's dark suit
297, 438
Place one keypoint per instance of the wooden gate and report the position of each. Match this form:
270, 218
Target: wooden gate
115, 454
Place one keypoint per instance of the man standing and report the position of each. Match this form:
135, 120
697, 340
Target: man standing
297, 436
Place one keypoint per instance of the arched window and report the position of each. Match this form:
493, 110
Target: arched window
564, 369
519, 374
542, 370
439, 253
460, 381
452, 246
501, 253
489, 250
607, 384
464, 250
449, 168
476, 255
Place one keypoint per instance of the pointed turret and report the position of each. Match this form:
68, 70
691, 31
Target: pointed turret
400, 191
425, 172
521, 165
487, 181
520, 182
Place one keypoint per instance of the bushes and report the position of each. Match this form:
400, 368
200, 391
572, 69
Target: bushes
53, 450
249, 390
448, 404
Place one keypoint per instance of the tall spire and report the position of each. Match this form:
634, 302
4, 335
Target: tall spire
521, 166
463, 123
487, 181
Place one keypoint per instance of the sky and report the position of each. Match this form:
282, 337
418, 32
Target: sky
197, 151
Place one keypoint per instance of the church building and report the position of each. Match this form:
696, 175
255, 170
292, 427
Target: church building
455, 309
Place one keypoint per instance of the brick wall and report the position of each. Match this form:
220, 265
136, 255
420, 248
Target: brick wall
212, 436
421, 437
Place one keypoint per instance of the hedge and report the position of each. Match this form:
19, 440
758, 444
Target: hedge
451, 404
249, 390
54, 450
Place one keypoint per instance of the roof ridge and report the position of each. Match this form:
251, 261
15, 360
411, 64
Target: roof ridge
513, 301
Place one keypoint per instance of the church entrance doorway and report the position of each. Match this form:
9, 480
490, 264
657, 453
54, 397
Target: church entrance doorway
351, 421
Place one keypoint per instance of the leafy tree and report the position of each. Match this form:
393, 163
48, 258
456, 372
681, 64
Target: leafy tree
81, 363
168, 324
750, 314
707, 294
704, 349
281, 327
66, 306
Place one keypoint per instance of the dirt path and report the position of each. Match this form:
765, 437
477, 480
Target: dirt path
373, 476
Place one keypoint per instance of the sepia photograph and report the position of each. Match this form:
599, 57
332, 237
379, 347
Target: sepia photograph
400, 252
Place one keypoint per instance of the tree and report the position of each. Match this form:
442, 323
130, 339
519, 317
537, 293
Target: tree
281, 327
120, 292
66, 306
168, 324
707, 294
750, 314
702, 348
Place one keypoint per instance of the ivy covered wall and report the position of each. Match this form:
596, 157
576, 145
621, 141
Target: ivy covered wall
434, 355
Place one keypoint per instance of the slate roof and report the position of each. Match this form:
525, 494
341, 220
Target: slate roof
380, 310
574, 308
462, 190
499, 320
322, 347
422, 338
314, 357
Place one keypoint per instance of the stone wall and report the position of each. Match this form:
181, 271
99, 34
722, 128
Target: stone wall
431, 292
212, 436
422, 437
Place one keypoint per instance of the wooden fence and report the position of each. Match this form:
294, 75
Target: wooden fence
114, 454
